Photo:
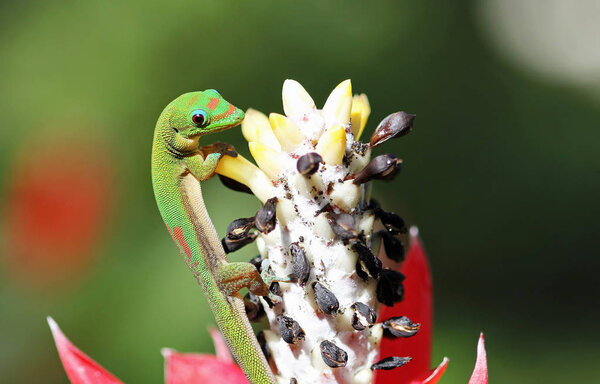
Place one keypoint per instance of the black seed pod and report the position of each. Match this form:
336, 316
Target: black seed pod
394, 248
262, 341
363, 317
395, 125
253, 306
325, 299
390, 363
360, 272
300, 264
389, 287
332, 355
308, 164
343, 225
234, 185
238, 229
367, 262
275, 288
290, 330
400, 327
392, 222
230, 245
257, 262
265, 217
383, 167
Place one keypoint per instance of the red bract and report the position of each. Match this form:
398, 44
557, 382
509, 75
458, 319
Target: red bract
480, 373
80, 368
195, 368
418, 306
180, 368
192, 368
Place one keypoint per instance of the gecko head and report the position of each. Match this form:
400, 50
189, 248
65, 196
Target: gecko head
194, 114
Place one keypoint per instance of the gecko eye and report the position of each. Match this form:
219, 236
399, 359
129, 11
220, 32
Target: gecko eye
200, 118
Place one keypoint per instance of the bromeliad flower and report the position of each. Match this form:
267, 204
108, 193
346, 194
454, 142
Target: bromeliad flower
341, 249
314, 175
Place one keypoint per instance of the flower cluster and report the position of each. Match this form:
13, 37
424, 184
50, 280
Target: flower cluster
314, 176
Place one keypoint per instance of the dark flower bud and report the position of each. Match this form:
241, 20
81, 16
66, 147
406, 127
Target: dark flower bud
333, 355
394, 248
234, 185
400, 327
325, 299
265, 217
253, 306
383, 167
308, 164
239, 228
230, 245
391, 221
343, 225
290, 330
363, 317
395, 125
390, 363
300, 264
389, 287
367, 263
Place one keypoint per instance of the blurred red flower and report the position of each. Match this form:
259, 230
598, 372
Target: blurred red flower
56, 204
181, 368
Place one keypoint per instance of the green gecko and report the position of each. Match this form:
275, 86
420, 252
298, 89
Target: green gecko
178, 166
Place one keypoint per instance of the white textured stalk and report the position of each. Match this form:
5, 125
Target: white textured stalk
322, 329
301, 219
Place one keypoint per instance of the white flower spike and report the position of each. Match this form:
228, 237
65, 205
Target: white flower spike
321, 330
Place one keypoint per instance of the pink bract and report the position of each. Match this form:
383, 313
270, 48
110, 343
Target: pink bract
80, 368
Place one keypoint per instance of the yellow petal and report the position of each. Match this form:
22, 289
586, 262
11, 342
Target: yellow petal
296, 101
272, 162
241, 170
256, 127
339, 104
286, 132
360, 113
251, 123
332, 145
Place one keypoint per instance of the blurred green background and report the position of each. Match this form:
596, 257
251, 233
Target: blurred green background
501, 172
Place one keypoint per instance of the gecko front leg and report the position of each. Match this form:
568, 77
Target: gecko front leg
232, 277
202, 168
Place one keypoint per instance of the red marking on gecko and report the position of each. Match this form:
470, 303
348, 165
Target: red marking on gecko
177, 235
225, 114
212, 104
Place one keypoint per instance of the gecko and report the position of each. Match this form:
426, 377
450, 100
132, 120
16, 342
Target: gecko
178, 167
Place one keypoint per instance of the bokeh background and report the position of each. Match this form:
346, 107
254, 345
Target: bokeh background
501, 171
